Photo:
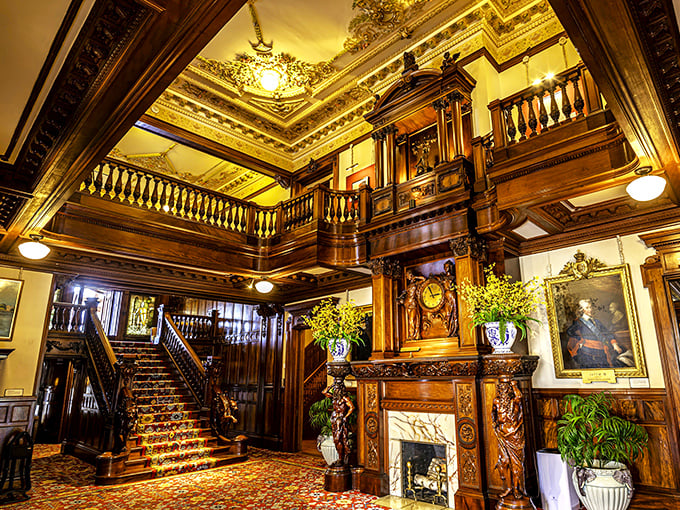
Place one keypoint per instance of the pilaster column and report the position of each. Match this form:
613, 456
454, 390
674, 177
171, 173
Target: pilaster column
378, 137
468, 253
385, 274
442, 130
456, 101
391, 156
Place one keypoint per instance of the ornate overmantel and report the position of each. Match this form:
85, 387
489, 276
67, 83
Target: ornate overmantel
462, 388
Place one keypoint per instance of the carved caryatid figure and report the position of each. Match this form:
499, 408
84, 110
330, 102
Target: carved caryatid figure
508, 424
450, 300
342, 409
409, 298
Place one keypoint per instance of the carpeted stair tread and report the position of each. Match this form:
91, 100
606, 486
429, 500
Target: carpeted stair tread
171, 435
163, 459
169, 417
169, 407
146, 428
185, 467
174, 446
148, 400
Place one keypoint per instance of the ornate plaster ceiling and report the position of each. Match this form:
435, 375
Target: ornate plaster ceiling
351, 52
158, 154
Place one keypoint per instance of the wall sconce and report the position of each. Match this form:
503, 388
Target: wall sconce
34, 249
264, 286
645, 187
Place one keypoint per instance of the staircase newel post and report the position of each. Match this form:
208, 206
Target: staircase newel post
156, 335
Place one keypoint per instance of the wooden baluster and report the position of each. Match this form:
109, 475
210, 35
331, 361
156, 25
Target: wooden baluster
202, 209
162, 195
127, 190
542, 113
88, 179
145, 192
180, 201
554, 110
328, 207
138, 188
212, 215
256, 225
97, 183
566, 104
521, 123
171, 198
230, 218
194, 204
578, 99
108, 183
511, 125
532, 117
118, 187
154, 196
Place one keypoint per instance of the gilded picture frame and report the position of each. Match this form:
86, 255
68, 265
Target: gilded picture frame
593, 321
10, 294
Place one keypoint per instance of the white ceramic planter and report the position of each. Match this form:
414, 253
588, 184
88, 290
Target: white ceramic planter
607, 488
501, 345
340, 349
326, 446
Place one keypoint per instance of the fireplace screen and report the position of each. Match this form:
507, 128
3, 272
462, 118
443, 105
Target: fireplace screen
423, 469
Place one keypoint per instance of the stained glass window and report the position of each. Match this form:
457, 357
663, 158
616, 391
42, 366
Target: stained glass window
140, 314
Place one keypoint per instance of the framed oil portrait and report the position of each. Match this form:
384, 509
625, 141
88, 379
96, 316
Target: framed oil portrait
10, 292
593, 321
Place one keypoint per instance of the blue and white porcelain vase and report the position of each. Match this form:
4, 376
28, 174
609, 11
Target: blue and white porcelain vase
339, 349
493, 333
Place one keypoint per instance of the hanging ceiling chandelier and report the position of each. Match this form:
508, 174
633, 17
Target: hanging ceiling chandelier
267, 73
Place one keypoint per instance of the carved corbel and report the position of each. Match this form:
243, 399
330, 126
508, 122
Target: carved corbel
468, 245
386, 267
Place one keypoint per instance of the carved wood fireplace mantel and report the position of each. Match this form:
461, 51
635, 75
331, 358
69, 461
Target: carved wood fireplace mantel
463, 388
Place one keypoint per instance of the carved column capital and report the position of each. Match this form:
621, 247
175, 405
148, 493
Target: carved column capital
390, 130
439, 104
126, 366
455, 96
378, 135
265, 310
468, 245
386, 267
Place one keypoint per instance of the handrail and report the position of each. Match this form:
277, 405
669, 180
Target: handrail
182, 355
524, 114
111, 380
67, 318
135, 186
314, 372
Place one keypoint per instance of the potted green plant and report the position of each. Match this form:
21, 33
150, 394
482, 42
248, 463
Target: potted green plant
501, 306
336, 326
320, 419
599, 446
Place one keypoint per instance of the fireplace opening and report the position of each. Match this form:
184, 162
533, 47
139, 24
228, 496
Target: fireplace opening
423, 469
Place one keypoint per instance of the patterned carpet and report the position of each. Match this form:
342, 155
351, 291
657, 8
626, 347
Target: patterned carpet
269, 480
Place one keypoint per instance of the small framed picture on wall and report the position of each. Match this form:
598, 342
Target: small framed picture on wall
10, 292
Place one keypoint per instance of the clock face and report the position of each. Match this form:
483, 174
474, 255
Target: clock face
431, 295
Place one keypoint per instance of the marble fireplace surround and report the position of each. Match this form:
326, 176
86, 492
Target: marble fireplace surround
422, 428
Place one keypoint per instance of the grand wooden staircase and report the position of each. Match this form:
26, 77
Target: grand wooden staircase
172, 434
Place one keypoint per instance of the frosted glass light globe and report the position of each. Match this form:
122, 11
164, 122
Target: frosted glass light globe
264, 286
34, 249
645, 188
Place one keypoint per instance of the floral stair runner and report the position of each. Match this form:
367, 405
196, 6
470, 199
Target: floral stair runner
169, 427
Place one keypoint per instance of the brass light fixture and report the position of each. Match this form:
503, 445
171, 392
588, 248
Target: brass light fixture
645, 187
34, 249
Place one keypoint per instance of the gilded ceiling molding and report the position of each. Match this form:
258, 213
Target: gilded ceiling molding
377, 18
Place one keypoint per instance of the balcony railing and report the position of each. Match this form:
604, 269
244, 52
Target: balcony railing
539, 108
131, 185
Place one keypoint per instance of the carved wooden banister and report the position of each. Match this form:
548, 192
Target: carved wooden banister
543, 106
111, 381
196, 327
68, 318
223, 409
182, 355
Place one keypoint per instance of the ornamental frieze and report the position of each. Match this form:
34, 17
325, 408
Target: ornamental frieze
515, 366
444, 368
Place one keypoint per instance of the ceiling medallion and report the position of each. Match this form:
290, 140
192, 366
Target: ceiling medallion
274, 74
268, 74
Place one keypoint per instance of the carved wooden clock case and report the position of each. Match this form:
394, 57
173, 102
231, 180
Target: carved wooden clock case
430, 311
